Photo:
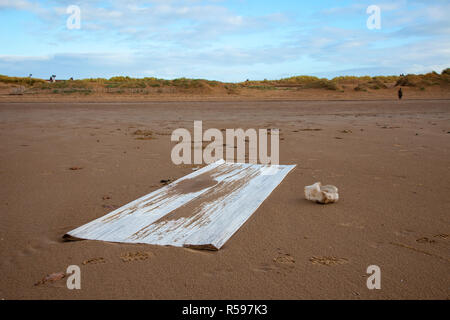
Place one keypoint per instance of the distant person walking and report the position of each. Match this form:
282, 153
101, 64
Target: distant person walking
400, 94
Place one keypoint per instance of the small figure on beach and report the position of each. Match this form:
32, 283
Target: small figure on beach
400, 93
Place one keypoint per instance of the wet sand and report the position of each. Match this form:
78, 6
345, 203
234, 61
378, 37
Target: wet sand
389, 159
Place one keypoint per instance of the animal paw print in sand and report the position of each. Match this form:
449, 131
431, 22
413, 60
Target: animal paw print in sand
328, 261
135, 256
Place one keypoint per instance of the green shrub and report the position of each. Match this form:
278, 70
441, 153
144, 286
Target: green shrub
26, 81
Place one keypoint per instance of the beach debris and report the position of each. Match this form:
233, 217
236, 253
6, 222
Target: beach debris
75, 168
311, 129
165, 181
321, 194
144, 138
201, 210
140, 132
51, 278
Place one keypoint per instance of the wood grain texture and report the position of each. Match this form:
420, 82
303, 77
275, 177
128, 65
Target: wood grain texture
201, 210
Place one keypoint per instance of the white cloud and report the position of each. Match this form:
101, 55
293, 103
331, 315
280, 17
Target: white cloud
18, 58
192, 38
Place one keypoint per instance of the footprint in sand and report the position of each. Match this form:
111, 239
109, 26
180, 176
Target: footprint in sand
94, 261
135, 256
50, 278
265, 267
282, 260
328, 261
425, 240
285, 260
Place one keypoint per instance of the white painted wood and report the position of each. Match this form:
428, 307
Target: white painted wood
201, 210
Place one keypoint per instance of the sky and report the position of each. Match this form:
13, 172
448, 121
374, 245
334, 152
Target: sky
222, 40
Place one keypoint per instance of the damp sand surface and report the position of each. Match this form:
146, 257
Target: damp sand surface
389, 159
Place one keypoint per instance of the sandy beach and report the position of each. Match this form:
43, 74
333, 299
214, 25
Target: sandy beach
64, 164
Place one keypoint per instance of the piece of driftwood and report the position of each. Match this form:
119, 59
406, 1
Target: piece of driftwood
201, 210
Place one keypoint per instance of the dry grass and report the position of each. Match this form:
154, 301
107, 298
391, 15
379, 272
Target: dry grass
150, 85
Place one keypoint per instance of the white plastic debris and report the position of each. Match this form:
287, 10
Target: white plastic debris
321, 194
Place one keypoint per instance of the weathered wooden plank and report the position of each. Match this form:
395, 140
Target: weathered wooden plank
201, 210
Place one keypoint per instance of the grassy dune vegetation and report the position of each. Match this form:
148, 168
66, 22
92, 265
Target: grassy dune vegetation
149, 85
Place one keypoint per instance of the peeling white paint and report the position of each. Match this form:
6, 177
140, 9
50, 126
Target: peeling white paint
201, 210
